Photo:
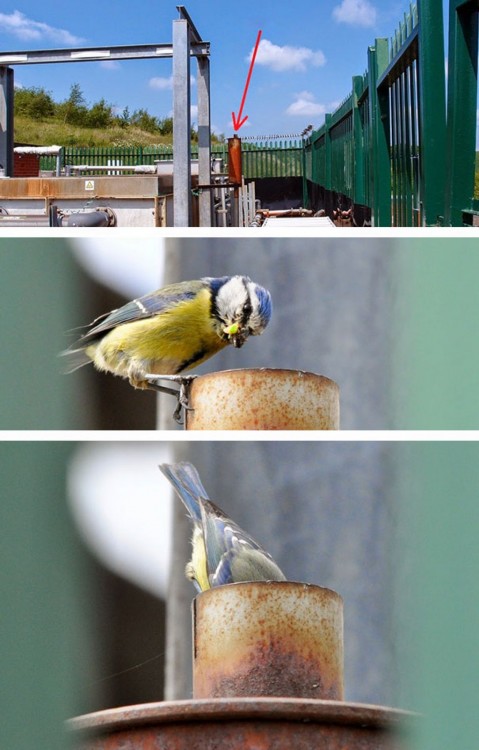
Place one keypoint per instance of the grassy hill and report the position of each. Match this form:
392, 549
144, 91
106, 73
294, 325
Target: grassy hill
52, 132
41, 121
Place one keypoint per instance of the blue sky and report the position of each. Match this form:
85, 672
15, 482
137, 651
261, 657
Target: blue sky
308, 54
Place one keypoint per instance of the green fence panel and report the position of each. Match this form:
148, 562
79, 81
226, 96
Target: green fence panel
265, 159
385, 146
461, 109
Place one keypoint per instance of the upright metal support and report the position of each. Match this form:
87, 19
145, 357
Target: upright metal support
358, 143
328, 167
461, 108
204, 141
432, 118
379, 143
181, 124
6, 120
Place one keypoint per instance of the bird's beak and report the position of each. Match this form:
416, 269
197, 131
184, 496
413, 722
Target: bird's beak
236, 336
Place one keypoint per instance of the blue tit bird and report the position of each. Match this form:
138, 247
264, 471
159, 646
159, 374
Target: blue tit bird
221, 551
173, 329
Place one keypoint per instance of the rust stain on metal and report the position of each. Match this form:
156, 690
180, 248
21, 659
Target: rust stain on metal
268, 639
234, 160
115, 186
263, 399
244, 724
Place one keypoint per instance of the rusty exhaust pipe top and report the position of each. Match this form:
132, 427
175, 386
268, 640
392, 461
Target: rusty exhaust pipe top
261, 650
262, 399
268, 639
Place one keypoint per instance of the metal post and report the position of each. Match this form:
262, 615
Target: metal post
6, 120
327, 144
204, 141
181, 124
379, 124
461, 108
432, 120
358, 143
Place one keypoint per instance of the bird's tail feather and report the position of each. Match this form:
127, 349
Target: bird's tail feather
187, 483
76, 358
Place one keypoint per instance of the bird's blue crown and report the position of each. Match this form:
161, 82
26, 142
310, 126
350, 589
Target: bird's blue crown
265, 304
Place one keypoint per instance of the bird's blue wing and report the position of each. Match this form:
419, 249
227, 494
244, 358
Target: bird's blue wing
223, 540
144, 307
232, 555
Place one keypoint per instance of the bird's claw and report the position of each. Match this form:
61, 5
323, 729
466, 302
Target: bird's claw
182, 394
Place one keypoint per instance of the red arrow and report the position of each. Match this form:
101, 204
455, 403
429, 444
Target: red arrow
237, 121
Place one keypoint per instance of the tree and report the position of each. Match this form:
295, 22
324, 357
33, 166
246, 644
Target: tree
34, 102
74, 110
144, 121
100, 115
166, 126
124, 119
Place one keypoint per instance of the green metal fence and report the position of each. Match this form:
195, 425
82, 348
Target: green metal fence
390, 146
274, 158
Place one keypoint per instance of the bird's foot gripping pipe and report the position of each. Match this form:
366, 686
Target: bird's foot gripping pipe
182, 394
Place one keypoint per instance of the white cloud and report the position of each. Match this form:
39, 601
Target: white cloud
305, 105
355, 12
246, 124
110, 64
163, 84
286, 58
19, 25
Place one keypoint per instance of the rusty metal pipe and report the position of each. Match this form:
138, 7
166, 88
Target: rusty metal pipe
268, 638
263, 399
235, 172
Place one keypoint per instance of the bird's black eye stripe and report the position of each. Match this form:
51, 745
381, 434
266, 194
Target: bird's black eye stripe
214, 306
246, 312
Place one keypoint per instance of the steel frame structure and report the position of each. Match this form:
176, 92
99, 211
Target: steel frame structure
187, 43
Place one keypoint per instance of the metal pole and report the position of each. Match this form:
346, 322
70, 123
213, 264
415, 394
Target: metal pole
6, 120
432, 121
379, 123
181, 124
204, 141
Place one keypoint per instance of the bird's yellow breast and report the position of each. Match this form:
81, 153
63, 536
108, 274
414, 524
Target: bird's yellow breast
174, 340
198, 561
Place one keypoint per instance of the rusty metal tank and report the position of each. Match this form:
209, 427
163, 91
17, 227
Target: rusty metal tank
243, 724
260, 649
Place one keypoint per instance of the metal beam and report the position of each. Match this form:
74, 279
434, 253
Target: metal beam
181, 124
92, 54
194, 33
